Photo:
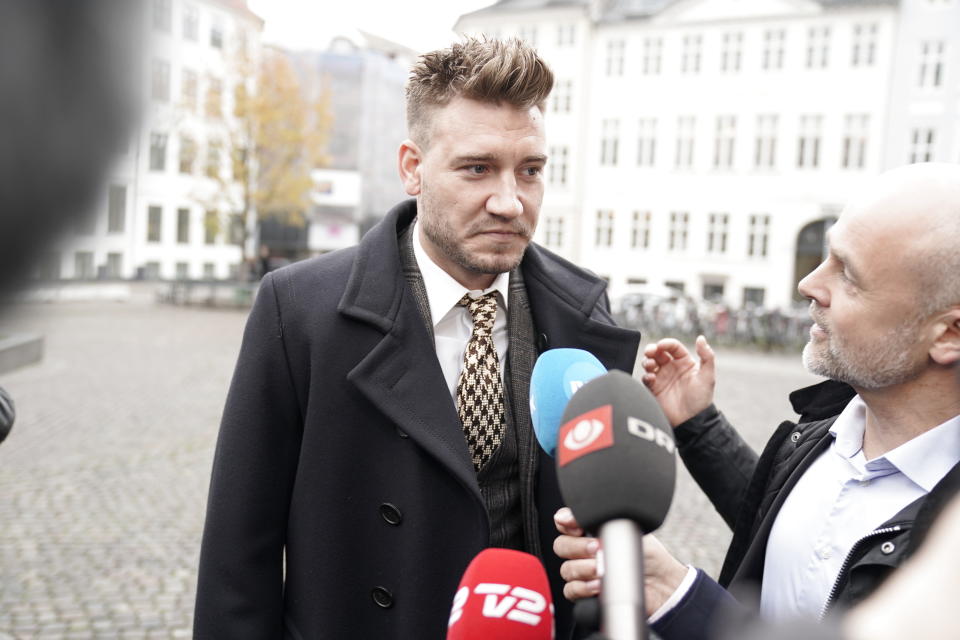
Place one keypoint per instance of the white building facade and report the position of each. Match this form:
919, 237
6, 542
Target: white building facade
162, 216
707, 144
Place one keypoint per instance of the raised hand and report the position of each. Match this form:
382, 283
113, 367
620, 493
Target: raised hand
682, 385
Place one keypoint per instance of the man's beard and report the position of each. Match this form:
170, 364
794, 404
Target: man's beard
887, 363
441, 236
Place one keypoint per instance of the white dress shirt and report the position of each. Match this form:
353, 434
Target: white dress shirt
452, 323
841, 498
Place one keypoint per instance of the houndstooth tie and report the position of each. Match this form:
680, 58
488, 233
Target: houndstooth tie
479, 388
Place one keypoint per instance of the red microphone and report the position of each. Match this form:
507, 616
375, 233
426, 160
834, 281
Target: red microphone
503, 594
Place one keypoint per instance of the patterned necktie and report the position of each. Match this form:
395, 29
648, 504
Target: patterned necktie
479, 388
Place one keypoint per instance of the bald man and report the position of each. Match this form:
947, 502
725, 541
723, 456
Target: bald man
839, 499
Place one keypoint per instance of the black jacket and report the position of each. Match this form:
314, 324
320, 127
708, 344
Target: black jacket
748, 492
340, 452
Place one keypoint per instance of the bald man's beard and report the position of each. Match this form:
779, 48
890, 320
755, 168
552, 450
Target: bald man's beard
883, 363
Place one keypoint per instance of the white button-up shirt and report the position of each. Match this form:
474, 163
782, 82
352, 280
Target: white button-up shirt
841, 498
452, 323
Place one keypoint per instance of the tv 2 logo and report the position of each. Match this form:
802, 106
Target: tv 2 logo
517, 604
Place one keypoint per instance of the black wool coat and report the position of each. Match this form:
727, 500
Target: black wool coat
343, 503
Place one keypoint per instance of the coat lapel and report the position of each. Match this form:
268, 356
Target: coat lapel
401, 375
567, 311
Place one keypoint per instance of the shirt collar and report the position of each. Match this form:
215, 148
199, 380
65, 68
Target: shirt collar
443, 292
925, 460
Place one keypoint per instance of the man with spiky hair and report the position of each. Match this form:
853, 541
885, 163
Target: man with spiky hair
377, 433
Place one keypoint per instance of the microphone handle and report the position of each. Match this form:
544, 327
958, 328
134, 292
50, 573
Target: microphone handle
621, 599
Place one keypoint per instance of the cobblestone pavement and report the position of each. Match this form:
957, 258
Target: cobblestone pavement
103, 479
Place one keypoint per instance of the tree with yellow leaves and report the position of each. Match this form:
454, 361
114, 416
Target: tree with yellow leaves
276, 136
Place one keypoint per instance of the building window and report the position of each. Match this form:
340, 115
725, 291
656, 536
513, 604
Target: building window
855, 140
717, 232
609, 141
773, 47
188, 154
154, 222
562, 97
652, 55
640, 230
528, 34
211, 227
162, 15
758, 236
214, 102
921, 146
183, 271
212, 168
216, 33
818, 47
151, 271
690, 56
158, 151
83, 265
808, 144
864, 50
686, 126
712, 291
554, 231
116, 208
730, 53
679, 222
615, 53
765, 147
566, 35
160, 81
191, 21
188, 90
932, 54
646, 142
604, 237
753, 297
183, 226
724, 146
114, 266
557, 167
209, 271
237, 228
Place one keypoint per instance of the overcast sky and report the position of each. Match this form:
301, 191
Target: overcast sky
422, 25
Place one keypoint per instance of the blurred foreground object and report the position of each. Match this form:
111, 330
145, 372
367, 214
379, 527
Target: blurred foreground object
918, 601
67, 101
7, 414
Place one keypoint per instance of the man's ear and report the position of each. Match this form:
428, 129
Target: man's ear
946, 346
411, 160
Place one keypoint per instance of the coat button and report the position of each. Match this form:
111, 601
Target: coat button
795, 437
390, 513
402, 433
887, 548
382, 597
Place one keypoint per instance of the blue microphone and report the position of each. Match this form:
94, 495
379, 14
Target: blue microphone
557, 375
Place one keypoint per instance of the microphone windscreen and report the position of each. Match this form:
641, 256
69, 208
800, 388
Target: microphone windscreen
557, 375
615, 454
503, 594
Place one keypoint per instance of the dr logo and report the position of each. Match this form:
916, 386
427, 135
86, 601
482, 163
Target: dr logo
588, 432
583, 434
